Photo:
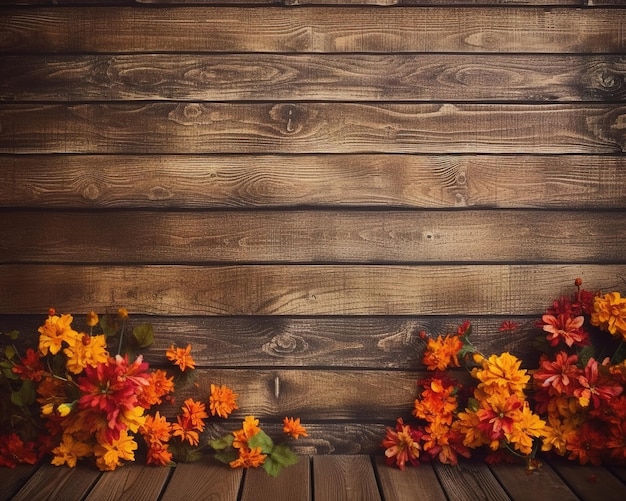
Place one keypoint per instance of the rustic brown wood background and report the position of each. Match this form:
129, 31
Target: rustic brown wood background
298, 189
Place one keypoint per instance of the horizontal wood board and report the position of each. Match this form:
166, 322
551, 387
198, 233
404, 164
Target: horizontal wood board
299, 188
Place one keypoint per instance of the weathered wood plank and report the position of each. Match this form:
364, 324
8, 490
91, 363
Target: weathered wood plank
470, 481
359, 342
205, 480
134, 481
271, 77
339, 478
12, 479
318, 395
297, 289
346, 29
397, 485
312, 236
53, 482
542, 483
590, 483
409, 181
293, 484
311, 128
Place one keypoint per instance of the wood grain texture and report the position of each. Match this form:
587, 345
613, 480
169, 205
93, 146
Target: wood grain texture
344, 478
297, 289
12, 479
519, 484
398, 484
328, 77
360, 342
313, 237
588, 482
70, 484
293, 484
137, 482
284, 181
470, 481
218, 482
311, 128
360, 29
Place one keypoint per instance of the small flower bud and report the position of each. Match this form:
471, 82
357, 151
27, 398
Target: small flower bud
92, 319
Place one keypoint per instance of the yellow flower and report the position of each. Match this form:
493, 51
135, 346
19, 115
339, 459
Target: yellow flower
110, 456
610, 313
54, 331
65, 409
526, 427
122, 313
92, 319
502, 374
86, 350
557, 433
69, 451
134, 418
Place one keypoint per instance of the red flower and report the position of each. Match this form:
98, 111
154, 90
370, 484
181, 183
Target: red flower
402, 445
565, 328
559, 376
587, 445
31, 367
594, 387
14, 451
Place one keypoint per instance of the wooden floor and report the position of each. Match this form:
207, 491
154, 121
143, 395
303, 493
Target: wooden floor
354, 477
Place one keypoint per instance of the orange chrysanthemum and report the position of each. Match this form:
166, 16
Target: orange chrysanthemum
222, 401
54, 331
610, 314
293, 427
249, 458
442, 352
181, 357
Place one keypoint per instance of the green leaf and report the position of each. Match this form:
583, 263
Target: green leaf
262, 440
226, 456
283, 455
108, 325
272, 467
223, 442
585, 354
144, 335
16, 398
9, 351
28, 392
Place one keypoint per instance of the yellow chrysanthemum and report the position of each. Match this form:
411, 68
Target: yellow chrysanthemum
502, 374
110, 456
527, 427
610, 314
69, 451
54, 331
86, 350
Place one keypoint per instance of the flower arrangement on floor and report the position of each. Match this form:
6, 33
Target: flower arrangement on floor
71, 399
573, 405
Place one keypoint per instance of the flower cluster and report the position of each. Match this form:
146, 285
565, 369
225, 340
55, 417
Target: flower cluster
573, 405
71, 399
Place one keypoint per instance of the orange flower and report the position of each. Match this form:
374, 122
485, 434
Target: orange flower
122, 313
158, 454
294, 428
181, 357
222, 401
402, 444
196, 413
249, 458
442, 352
156, 429
158, 386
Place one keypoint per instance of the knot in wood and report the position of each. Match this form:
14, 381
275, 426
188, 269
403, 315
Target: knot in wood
285, 343
610, 81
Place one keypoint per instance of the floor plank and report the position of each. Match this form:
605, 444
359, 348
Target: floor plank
58, 483
293, 484
470, 481
205, 480
542, 483
11, 479
397, 485
590, 483
132, 481
344, 478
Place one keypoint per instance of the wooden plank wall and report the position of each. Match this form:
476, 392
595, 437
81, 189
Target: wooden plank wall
298, 189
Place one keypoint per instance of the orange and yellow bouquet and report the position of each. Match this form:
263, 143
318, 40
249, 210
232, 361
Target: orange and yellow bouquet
71, 399
572, 405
